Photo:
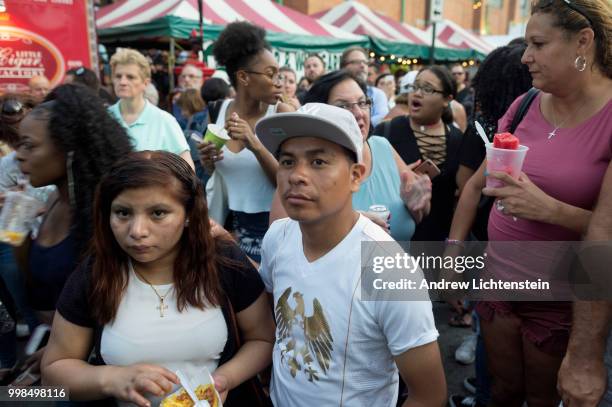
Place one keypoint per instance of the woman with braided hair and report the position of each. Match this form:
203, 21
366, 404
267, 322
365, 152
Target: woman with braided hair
70, 140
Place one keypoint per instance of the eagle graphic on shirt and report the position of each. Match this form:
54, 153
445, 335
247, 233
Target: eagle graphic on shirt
312, 356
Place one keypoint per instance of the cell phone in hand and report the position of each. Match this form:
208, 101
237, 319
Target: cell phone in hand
196, 137
39, 338
428, 167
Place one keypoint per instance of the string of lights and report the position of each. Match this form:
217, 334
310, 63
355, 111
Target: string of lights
405, 60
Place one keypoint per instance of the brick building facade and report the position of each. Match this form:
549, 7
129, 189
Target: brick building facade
493, 17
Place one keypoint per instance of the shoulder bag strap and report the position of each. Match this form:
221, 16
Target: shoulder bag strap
523, 108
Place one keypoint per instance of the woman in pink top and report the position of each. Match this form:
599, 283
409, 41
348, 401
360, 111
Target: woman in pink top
568, 130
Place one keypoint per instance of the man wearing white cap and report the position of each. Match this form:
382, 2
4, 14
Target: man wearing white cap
332, 348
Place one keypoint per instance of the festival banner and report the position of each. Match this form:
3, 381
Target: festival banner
45, 37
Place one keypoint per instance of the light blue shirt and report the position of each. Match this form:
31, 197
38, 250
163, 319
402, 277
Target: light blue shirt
154, 129
382, 187
380, 105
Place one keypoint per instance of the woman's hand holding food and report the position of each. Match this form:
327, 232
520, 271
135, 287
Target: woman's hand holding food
132, 383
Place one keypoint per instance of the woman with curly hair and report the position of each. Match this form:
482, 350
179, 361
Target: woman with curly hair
247, 169
68, 141
157, 294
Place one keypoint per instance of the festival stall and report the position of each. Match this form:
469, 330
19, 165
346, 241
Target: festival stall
389, 39
292, 34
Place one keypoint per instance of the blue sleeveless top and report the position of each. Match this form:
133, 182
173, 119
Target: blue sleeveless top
382, 188
50, 267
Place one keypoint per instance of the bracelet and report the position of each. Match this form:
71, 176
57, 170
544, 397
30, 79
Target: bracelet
454, 242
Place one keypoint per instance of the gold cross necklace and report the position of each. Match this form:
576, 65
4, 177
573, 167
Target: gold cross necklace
162, 306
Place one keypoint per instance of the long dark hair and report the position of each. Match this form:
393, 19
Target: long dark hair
500, 79
82, 128
196, 280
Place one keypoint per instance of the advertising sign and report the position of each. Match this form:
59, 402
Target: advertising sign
44, 37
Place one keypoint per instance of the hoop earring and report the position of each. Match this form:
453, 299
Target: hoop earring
70, 176
580, 63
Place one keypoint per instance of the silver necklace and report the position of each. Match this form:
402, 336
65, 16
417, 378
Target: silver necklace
557, 127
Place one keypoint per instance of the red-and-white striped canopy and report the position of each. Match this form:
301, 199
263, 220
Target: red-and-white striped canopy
357, 18
265, 13
453, 35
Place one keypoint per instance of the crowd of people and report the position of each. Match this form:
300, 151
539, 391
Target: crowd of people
158, 250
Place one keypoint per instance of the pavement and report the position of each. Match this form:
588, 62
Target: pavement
450, 338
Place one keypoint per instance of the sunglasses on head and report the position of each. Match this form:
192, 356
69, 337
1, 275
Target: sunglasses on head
11, 107
569, 3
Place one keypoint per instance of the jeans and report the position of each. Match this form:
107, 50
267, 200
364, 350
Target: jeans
483, 383
16, 285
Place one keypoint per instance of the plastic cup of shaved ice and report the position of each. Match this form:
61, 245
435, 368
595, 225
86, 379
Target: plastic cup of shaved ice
505, 154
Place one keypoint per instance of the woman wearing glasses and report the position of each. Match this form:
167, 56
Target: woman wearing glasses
428, 133
390, 182
568, 129
246, 169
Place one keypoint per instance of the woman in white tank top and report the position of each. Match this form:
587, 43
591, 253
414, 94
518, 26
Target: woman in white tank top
247, 169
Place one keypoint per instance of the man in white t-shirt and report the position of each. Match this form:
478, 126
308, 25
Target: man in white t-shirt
332, 349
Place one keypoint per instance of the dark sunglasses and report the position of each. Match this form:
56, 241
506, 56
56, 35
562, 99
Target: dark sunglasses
11, 107
569, 3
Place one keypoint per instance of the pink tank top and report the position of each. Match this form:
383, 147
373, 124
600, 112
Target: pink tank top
569, 167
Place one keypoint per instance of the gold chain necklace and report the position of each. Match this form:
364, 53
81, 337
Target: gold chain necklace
162, 306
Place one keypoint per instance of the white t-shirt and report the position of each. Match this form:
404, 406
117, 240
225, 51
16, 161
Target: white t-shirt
185, 340
248, 187
349, 361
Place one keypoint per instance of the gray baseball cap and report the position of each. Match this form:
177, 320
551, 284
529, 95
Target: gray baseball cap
312, 120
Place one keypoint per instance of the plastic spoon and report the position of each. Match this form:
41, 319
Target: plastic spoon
481, 133
187, 386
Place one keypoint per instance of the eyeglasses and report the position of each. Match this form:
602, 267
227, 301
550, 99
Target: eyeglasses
357, 62
275, 77
426, 89
190, 76
458, 73
569, 3
364, 105
11, 107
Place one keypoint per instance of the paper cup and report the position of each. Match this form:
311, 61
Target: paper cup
216, 135
503, 160
16, 218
